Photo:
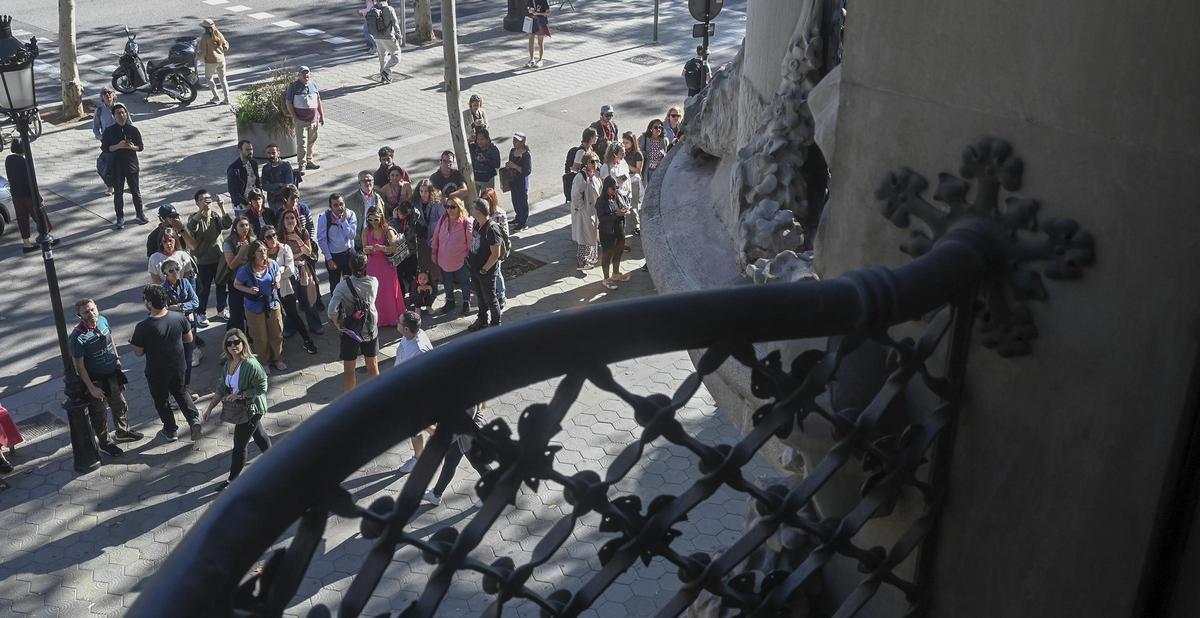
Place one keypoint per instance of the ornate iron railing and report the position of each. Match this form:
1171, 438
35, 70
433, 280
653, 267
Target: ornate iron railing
974, 249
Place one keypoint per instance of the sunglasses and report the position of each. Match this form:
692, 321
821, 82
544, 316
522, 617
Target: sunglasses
608, 115
672, 115
233, 343
450, 207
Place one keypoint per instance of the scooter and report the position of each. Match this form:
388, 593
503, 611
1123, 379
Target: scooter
176, 76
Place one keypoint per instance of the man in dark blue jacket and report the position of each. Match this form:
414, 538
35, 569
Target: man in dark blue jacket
242, 175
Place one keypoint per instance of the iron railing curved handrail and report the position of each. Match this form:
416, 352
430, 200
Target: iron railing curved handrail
200, 575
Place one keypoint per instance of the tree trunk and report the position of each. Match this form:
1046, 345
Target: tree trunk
453, 104
423, 14
68, 66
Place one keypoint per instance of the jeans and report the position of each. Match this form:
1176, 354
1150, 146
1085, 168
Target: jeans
241, 439
520, 201
485, 293
367, 35
311, 315
123, 175
500, 289
460, 278
163, 387
206, 273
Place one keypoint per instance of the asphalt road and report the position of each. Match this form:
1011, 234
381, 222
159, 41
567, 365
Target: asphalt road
262, 32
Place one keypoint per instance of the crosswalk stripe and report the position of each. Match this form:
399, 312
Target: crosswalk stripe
261, 15
311, 32
336, 40
237, 8
287, 23
215, 2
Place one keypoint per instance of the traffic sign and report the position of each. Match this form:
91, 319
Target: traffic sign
699, 30
705, 10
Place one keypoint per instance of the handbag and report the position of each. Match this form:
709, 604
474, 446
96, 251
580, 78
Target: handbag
236, 411
527, 25
505, 179
404, 250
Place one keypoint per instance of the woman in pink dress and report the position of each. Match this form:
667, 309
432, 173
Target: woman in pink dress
379, 241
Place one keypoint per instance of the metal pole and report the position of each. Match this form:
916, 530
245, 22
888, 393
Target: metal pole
706, 22
84, 446
656, 21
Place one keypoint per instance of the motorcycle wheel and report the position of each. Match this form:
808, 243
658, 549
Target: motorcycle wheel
187, 92
122, 83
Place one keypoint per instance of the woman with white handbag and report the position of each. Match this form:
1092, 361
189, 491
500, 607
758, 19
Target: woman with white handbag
537, 24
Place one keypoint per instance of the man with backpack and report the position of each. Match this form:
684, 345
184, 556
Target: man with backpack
574, 163
385, 29
352, 313
696, 71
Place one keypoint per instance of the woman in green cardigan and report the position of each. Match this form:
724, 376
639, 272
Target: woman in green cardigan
242, 380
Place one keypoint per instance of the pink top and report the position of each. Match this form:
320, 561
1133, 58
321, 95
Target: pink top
369, 5
451, 245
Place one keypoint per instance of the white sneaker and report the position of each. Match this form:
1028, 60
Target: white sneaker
529, 65
478, 503
431, 498
537, 64
608, 284
197, 356
408, 465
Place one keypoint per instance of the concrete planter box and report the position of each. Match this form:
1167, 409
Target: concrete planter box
258, 135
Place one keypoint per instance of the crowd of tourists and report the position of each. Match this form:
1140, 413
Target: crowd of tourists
389, 247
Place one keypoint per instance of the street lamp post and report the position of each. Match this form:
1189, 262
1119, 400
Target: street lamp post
18, 99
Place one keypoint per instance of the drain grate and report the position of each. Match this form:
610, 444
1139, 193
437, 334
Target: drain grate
646, 60
517, 264
40, 425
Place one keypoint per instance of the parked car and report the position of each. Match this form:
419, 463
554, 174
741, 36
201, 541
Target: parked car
8, 214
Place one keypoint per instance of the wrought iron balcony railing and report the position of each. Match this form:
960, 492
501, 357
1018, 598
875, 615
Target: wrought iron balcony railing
975, 251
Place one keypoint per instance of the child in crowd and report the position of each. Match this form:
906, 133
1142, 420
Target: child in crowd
423, 296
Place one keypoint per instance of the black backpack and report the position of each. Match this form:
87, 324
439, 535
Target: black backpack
693, 74
568, 175
356, 317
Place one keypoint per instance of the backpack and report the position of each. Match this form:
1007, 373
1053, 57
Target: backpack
506, 244
693, 74
377, 22
569, 176
356, 317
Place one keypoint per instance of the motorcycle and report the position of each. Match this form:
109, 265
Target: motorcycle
176, 76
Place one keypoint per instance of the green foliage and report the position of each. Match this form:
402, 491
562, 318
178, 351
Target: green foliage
263, 104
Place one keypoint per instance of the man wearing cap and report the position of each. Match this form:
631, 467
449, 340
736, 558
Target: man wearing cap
168, 217
124, 141
304, 108
101, 120
242, 175
606, 129
520, 165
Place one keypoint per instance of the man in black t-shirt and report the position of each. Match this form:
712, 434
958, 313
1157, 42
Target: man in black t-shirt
448, 174
124, 141
484, 261
160, 338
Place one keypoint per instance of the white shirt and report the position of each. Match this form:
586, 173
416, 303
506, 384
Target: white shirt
616, 172
410, 348
231, 380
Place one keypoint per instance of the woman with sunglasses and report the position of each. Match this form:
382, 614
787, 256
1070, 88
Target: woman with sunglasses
169, 248
428, 200
235, 252
258, 281
654, 145
379, 241
450, 245
182, 298
304, 278
673, 129
243, 383
281, 253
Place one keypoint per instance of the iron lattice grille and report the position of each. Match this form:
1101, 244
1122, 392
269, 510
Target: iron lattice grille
646, 532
